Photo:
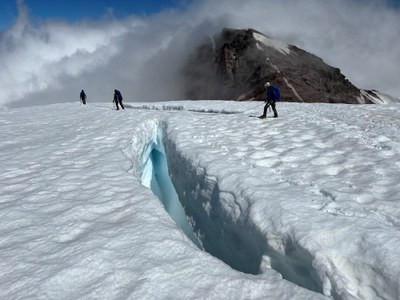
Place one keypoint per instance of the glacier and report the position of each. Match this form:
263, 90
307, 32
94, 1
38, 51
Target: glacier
198, 200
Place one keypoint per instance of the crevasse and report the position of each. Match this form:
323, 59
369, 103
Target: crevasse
194, 201
154, 175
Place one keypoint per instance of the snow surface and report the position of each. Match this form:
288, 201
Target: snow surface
312, 196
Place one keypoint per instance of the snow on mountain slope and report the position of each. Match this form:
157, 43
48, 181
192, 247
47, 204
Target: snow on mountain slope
312, 197
277, 45
377, 97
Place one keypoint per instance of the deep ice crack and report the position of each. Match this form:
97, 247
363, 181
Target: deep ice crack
216, 221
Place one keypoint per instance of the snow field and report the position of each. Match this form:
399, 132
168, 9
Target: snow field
312, 194
317, 181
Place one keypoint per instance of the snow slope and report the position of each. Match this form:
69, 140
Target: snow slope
268, 42
377, 97
312, 197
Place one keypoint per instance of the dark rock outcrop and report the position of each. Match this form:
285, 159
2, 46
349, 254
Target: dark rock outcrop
235, 65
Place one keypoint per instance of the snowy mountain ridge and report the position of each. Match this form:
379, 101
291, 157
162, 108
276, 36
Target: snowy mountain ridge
237, 63
377, 97
304, 206
366, 96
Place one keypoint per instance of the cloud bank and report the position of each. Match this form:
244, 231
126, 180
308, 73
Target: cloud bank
142, 55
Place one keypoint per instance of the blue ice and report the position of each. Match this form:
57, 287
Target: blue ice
155, 176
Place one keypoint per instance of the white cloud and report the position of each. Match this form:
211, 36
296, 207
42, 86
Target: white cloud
141, 56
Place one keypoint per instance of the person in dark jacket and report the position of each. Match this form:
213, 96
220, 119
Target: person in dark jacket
271, 101
83, 97
118, 99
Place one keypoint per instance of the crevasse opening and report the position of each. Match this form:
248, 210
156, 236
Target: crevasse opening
156, 177
188, 193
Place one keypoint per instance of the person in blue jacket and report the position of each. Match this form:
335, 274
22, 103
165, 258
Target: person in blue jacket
272, 97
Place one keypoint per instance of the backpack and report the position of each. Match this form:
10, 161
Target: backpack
273, 93
276, 94
119, 95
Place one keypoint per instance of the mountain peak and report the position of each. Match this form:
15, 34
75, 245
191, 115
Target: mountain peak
237, 63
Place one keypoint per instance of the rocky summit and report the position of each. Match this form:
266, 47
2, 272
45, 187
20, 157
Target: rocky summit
235, 64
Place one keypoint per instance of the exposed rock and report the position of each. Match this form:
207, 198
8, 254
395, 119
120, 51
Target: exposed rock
236, 64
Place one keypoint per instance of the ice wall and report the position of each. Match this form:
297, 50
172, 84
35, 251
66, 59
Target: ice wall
222, 220
154, 175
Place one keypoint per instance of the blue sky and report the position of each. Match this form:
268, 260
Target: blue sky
74, 10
